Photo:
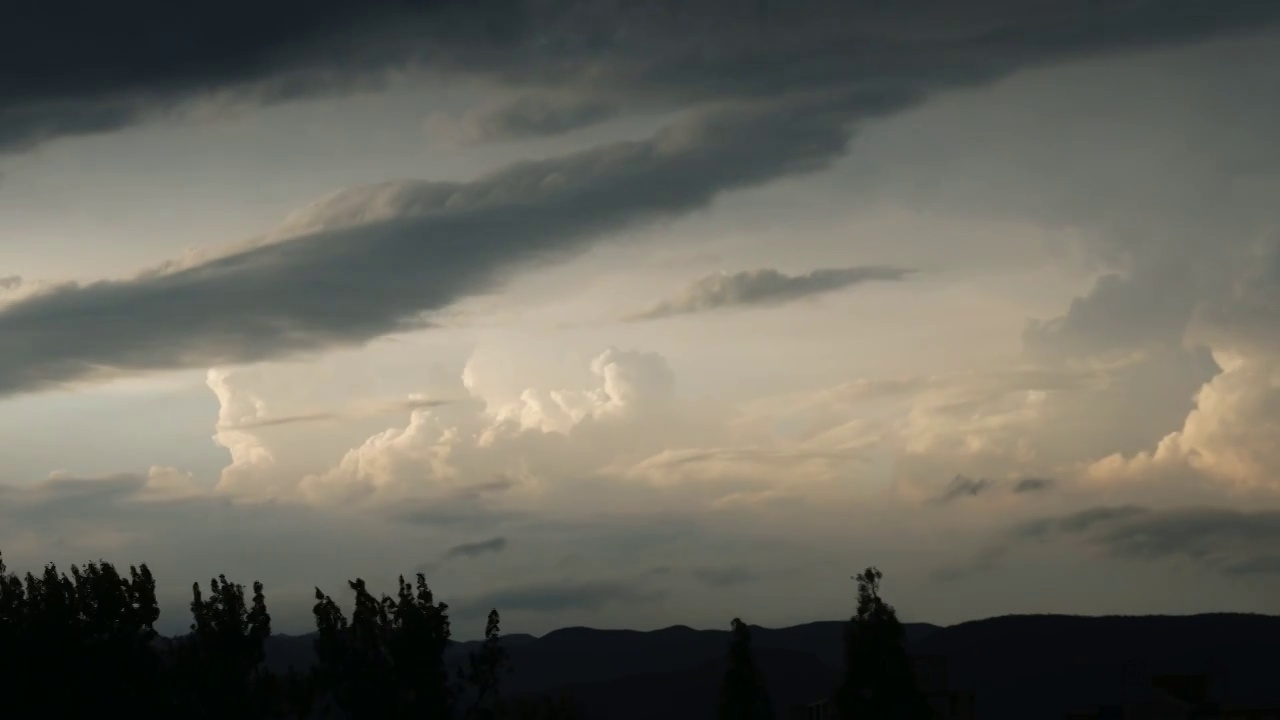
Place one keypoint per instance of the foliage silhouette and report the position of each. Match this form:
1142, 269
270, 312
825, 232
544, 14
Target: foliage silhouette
74, 644
219, 667
878, 681
743, 695
481, 679
83, 644
388, 660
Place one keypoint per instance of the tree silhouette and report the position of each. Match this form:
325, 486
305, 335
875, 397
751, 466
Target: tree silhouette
75, 644
878, 680
743, 695
482, 676
419, 634
352, 659
219, 669
84, 644
12, 616
388, 661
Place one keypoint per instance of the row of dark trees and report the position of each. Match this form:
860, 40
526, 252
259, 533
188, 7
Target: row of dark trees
85, 645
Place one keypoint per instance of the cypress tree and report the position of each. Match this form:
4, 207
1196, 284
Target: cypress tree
743, 695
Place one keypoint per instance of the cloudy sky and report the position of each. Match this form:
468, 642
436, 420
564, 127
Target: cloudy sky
634, 314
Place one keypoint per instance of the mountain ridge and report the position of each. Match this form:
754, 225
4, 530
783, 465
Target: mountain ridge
1019, 666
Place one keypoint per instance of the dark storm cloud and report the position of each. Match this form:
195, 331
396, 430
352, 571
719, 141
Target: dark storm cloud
765, 287
84, 67
557, 597
808, 69
355, 282
534, 116
476, 549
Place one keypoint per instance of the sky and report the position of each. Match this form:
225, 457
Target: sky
638, 314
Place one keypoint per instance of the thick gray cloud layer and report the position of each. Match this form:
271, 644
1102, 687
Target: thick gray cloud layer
87, 67
350, 280
781, 87
534, 116
762, 287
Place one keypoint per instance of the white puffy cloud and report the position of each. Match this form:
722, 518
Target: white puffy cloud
1232, 436
629, 385
538, 437
1002, 423
251, 462
168, 483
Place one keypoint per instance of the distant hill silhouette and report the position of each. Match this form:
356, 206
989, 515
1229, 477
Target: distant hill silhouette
1021, 667
1030, 666
589, 655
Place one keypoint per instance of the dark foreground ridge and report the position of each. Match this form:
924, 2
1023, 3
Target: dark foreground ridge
84, 645
1019, 667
